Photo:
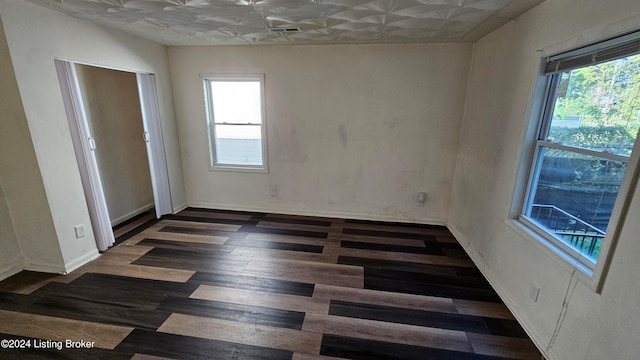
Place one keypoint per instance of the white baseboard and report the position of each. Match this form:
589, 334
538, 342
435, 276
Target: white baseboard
180, 207
319, 213
11, 269
67, 268
90, 256
511, 305
45, 268
130, 214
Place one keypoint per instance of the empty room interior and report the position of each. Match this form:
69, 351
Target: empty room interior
319, 179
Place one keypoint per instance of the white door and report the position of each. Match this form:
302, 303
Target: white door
155, 146
84, 147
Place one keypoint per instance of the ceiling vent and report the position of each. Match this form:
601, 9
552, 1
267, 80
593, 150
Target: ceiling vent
284, 30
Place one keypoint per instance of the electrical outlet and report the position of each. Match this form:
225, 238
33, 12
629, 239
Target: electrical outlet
534, 292
274, 191
422, 198
79, 231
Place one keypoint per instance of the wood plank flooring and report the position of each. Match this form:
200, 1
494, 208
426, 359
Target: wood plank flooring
207, 284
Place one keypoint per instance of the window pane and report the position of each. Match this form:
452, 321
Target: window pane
238, 145
574, 196
598, 107
236, 102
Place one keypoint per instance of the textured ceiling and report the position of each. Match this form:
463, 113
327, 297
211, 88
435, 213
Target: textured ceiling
220, 22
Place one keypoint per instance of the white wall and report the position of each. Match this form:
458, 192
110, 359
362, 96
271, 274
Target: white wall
501, 87
11, 257
25, 216
36, 36
113, 111
355, 131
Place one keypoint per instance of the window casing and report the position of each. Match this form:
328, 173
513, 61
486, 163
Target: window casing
236, 122
583, 161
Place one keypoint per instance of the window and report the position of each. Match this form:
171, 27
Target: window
235, 109
589, 124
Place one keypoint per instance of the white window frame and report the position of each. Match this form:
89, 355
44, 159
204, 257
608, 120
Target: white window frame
591, 273
213, 164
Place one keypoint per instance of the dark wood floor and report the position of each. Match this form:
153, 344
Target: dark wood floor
208, 284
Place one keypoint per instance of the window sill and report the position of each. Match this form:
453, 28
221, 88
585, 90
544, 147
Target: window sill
243, 169
566, 261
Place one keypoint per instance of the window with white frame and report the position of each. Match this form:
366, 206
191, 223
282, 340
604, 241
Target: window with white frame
581, 167
236, 120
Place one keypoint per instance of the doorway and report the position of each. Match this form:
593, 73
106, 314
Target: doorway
114, 116
115, 126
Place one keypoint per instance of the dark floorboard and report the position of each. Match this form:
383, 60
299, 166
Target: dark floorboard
254, 283
360, 349
186, 347
235, 312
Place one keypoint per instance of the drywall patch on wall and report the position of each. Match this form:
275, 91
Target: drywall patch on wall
342, 133
392, 123
286, 146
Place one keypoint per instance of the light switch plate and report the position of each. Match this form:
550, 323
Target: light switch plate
79, 231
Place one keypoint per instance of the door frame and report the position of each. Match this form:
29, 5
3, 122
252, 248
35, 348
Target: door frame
87, 163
